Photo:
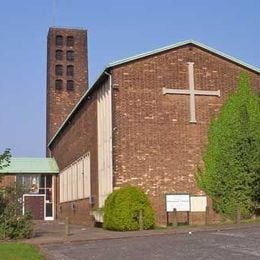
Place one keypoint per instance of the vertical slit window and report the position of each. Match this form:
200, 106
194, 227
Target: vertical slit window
70, 55
58, 70
70, 70
59, 40
58, 84
70, 85
70, 41
59, 55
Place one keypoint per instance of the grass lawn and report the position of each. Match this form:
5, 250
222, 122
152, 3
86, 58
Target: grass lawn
19, 251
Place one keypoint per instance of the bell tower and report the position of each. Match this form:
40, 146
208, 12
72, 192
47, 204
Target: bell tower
67, 74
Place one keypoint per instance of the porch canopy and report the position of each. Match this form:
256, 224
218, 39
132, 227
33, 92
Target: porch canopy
31, 165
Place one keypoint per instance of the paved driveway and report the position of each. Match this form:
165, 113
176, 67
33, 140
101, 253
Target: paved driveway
230, 244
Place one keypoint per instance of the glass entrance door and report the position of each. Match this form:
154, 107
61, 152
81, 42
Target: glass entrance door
40, 184
46, 187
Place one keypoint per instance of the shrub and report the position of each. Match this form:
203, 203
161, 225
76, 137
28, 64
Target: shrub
14, 227
122, 207
13, 224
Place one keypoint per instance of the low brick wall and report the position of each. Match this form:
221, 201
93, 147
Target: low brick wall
78, 212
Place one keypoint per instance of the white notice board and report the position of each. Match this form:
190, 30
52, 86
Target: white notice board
180, 202
198, 203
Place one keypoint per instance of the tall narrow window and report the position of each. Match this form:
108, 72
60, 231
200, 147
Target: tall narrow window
59, 55
70, 70
70, 55
58, 70
58, 84
70, 85
75, 180
70, 41
59, 40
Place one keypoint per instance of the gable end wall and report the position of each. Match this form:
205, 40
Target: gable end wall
154, 145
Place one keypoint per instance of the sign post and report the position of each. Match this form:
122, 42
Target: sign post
177, 203
174, 218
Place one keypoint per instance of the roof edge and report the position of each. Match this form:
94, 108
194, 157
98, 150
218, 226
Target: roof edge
68, 28
29, 172
180, 44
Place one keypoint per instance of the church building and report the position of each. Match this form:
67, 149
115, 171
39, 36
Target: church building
144, 122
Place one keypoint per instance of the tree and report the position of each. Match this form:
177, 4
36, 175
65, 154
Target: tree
231, 173
5, 159
13, 224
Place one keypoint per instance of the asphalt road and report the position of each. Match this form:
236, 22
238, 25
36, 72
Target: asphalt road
229, 244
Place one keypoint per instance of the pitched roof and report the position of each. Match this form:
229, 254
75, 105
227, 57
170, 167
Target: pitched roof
31, 165
180, 44
147, 54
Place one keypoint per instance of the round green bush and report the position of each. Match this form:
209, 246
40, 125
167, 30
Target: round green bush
122, 207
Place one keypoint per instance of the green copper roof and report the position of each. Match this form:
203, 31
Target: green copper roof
31, 165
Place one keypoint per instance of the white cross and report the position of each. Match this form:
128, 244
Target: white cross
192, 92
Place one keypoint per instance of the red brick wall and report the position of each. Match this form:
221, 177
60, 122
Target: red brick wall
78, 138
7, 180
155, 146
77, 212
61, 102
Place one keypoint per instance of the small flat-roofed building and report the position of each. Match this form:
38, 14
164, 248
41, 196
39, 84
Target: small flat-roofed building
36, 176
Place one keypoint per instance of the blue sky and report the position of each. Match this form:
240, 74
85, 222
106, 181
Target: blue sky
116, 29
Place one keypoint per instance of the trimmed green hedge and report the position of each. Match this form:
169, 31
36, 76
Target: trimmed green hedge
122, 207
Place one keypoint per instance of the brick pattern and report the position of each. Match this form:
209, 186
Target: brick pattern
154, 145
7, 181
77, 212
61, 102
76, 139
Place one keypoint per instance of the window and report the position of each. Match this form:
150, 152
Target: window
70, 41
70, 55
59, 55
70, 70
37, 184
59, 40
58, 70
58, 84
75, 180
70, 85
